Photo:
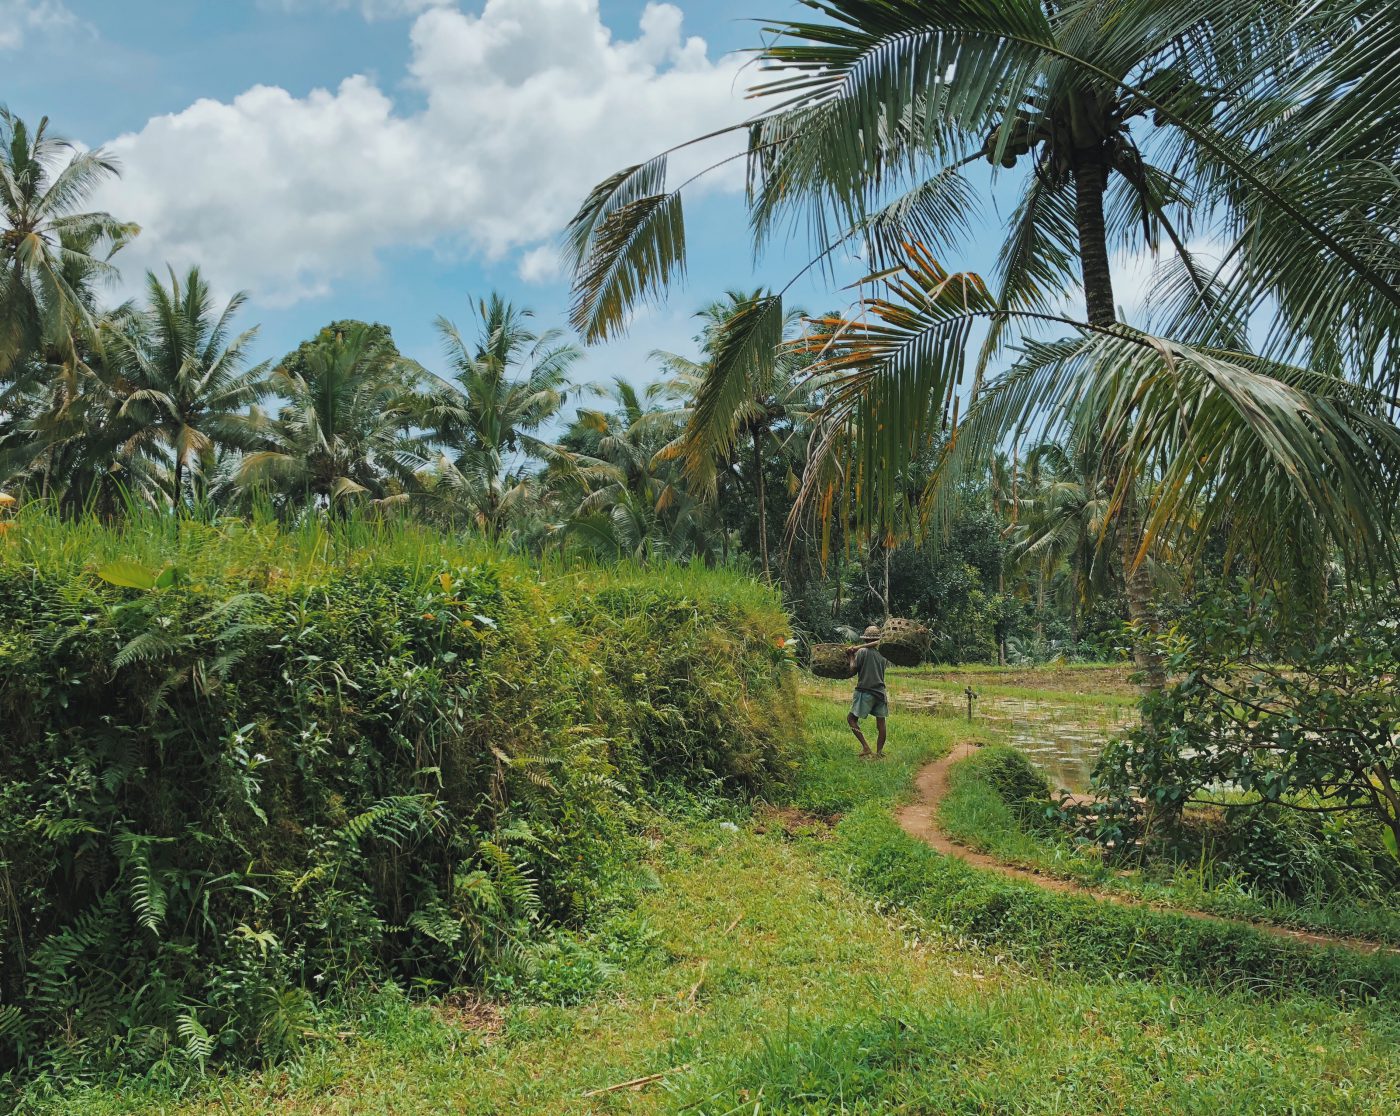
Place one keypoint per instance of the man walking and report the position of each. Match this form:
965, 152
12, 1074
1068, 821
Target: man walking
870, 696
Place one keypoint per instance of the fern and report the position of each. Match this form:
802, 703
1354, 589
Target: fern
148, 897
12, 1024
50, 963
287, 1017
198, 1042
389, 819
516, 885
149, 646
437, 923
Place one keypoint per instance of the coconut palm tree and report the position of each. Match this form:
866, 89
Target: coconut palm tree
71, 442
761, 404
48, 242
1115, 124
187, 377
1062, 518
506, 383
347, 427
635, 504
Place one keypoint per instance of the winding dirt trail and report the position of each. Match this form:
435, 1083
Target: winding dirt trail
920, 819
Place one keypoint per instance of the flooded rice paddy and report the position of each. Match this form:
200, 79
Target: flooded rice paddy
1062, 738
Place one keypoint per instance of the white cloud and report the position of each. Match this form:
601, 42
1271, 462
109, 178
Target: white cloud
542, 264
525, 106
19, 17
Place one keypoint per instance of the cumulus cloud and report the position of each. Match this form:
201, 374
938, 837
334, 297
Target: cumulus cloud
20, 17
523, 107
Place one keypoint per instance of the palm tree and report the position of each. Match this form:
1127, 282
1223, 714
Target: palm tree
346, 428
47, 242
1066, 513
71, 443
1117, 122
635, 504
506, 384
187, 377
759, 406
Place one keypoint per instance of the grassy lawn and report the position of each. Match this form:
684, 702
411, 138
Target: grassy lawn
764, 983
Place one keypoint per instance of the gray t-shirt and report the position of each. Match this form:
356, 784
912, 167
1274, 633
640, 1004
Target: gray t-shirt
870, 670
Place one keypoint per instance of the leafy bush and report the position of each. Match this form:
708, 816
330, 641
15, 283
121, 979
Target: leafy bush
246, 769
1293, 710
1014, 778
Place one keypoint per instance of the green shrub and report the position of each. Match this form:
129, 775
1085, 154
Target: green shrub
1008, 772
246, 770
1291, 707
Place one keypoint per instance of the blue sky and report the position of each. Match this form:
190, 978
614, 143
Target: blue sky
142, 60
390, 159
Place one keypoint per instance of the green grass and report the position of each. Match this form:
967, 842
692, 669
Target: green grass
804, 971
227, 549
956, 688
975, 815
832, 780
993, 668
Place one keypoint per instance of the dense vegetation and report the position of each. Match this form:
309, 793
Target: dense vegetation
157, 404
247, 768
765, 966
338, 678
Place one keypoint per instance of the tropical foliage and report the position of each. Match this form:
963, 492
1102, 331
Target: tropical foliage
1288, 708
1137, 125
248, 767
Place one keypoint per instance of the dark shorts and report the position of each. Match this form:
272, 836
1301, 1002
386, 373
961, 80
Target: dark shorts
869, 705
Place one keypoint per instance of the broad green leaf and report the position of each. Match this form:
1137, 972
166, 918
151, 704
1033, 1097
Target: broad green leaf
128, 575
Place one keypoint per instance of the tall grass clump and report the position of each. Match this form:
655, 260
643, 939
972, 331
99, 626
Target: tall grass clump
248, 768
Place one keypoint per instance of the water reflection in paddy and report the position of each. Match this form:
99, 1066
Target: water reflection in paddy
1063, 739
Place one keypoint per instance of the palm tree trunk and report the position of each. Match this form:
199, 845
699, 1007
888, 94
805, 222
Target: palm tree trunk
887, 579
1000, 630
179, 482
760, 488
1090, 179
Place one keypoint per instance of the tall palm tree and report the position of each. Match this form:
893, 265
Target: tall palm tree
71, 442
1116, 122
1066, 512
636, 504
347, 426
47, 240
755, 411
506, 384
61, 432
188, 378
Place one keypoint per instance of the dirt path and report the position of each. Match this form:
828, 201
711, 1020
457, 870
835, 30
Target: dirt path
920, 819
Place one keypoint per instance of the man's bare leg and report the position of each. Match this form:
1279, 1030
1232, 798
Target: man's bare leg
880, 741
854, 724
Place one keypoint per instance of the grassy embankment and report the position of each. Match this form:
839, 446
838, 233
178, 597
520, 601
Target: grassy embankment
251, 773
1090, 699
778, 965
